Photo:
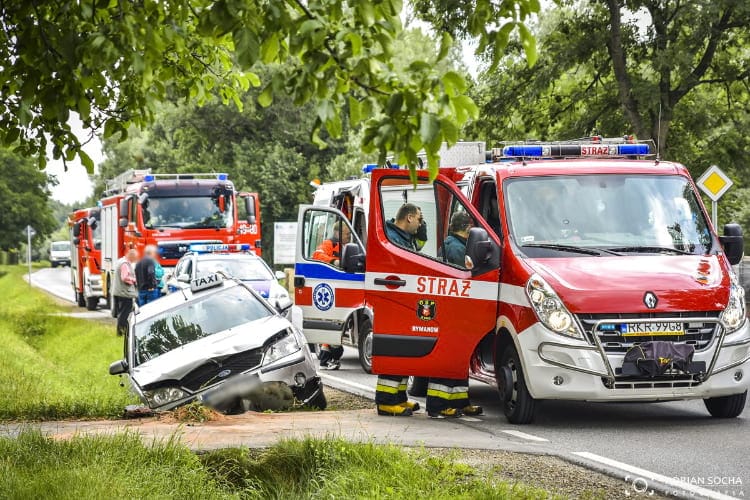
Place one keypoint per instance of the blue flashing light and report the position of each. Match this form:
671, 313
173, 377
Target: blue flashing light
394, 166
218, 247
369, 168
633, 149
572, 149
222, 177
522, 151
149, 178
608, 327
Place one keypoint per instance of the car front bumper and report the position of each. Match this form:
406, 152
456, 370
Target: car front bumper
558, 367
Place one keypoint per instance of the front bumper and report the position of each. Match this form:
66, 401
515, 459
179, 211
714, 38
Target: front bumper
557, 367
265, 387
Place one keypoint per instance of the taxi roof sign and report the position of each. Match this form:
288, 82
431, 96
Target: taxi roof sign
206, 281
714, 182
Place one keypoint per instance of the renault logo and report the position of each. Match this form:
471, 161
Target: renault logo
650, 300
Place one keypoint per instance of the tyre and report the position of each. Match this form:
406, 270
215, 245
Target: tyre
112, 306
319, 401
518, 405
92, 303
364, 345
726, 406
417, 386
80, 300
53, 264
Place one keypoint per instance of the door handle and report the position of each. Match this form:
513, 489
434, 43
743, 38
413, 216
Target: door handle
390, 282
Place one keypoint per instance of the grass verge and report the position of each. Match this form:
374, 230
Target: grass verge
33, 466
53, 367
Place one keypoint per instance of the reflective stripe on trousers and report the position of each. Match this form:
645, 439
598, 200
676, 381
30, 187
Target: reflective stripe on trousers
391, 390
444, 393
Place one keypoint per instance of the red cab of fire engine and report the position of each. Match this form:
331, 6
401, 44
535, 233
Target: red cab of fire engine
590, 271
85, 256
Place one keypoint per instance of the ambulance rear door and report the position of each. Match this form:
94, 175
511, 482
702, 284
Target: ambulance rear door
325, 292
431, 307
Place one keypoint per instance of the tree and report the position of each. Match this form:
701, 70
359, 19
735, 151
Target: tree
113, 61
23, 200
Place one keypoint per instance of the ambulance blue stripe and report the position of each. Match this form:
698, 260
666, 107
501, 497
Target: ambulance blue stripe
324, 272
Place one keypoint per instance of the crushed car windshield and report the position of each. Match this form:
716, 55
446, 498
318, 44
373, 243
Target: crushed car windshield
195, 320
611, 214
194, 212
241, 269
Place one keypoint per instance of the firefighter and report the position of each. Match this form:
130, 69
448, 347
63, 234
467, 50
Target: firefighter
329, 251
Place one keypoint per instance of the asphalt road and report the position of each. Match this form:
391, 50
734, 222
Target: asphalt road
674, 440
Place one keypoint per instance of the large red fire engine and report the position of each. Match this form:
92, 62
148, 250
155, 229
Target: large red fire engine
591, 272
172, 211
85, 257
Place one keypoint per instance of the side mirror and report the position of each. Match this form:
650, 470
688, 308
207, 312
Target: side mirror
283, 304
258, 244
352, 258
93, 222
143, 199
183, 278
118, 367
76, 230
483, 251
280, 275
123, 222
733, 243
252, 217
76, 241
123, 207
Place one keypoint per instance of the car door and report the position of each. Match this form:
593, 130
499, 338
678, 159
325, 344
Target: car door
430, 313
324, 291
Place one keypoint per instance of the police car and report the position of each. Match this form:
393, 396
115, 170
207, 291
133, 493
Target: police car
218, 342
234, 261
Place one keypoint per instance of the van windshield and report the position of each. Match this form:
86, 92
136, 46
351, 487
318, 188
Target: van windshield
591, 215
187, 212
60, 246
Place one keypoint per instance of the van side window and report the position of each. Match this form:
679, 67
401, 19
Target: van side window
456, 221
488, 206
325, 235
405, 209
360, 224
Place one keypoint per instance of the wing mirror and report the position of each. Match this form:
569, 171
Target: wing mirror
250, 208
118, 367
733, 243
482, 253
76, 241
76, 229
283, 303
353, 258
123, 222
183, 278
280, 275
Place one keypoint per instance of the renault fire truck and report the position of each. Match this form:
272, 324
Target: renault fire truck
347, 319
171, 212
85, 257
591, 272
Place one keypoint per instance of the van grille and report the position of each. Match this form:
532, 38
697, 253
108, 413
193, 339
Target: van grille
697, 334
207, 374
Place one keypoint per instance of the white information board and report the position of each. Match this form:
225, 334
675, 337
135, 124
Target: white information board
284, 242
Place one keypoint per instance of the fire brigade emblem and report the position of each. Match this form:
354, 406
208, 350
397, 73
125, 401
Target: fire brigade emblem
426, 309
323, 296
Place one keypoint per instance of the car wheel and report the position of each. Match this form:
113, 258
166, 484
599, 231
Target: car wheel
518, 405
726, 406
364, 345
92, 303
80, 300
417, 386
319, 401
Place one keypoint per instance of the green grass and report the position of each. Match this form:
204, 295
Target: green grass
32, 466
53, 367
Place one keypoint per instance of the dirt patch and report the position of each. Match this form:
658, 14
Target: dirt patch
544, 471
340, 400
193, 413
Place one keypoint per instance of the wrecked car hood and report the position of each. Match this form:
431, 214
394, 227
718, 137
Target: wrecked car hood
177, 363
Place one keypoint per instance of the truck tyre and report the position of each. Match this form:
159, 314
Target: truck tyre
319, 401
417, 386
92, 303
726, 406
364, 345
80, 300
518, 405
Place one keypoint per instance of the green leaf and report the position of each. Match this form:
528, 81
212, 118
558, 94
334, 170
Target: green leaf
450, 130
266, 97
86, 161
429, 127
446, 41
529, 44
270, 49
355, 111
454, 83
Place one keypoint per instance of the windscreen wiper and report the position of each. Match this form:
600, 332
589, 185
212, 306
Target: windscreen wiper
651, 249
566, 248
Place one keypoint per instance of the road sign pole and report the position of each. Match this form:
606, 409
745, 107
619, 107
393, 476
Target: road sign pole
715, 214
28, 250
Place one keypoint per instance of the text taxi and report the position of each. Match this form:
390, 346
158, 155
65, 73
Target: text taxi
582, 278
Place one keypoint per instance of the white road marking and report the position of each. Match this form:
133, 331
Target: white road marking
680, 488
470, 419
528, 437
360, 387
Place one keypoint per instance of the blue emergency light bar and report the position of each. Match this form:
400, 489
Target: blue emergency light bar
149, 178
369, 167
218, 247
222, 177
575, 149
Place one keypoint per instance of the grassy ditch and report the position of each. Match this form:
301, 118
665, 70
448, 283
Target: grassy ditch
53, 367
33, 466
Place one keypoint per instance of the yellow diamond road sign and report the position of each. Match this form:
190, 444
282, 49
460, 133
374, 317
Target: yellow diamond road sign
714, 182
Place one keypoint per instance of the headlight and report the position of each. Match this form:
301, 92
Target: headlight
733, 316
283, 347
163, 395
549, 308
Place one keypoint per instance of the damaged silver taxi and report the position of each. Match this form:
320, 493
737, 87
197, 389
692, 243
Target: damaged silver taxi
221, 343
